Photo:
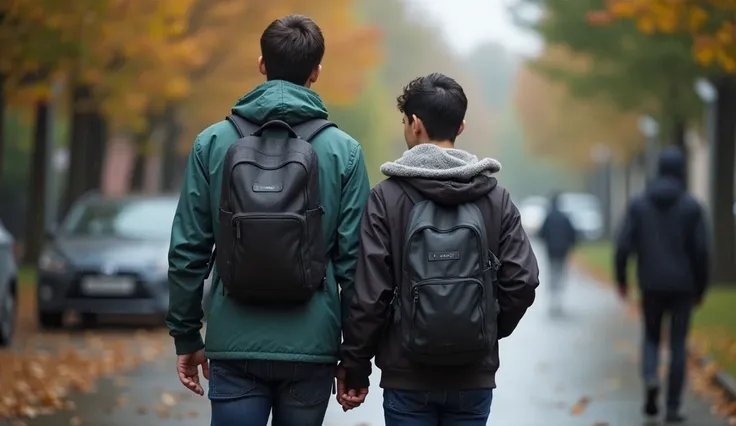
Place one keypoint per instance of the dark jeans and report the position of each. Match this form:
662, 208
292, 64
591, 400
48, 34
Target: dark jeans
679, 308
437, 408
243, 393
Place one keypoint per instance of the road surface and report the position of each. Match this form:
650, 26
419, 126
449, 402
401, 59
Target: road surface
578, 369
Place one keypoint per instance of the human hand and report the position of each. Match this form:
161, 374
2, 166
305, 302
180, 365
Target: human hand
623, 293
698, 301
348, 398
187, 366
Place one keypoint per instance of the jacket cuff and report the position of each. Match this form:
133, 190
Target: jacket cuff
188, 343
356, 379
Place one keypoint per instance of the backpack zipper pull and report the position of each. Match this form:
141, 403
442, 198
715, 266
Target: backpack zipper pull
237, 230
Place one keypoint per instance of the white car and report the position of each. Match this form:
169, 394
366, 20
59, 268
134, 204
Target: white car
585, 212
533, 210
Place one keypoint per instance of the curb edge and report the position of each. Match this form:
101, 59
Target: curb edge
722, 379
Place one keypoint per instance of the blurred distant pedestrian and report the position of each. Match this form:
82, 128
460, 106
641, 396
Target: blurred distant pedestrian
559, 237
665, 228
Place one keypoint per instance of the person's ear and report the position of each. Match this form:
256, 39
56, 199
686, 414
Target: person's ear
314, 76
417, 127
461, 129
261, 66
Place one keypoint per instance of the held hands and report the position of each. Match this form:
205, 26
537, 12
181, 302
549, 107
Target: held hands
623, 293
187, 366
348, 398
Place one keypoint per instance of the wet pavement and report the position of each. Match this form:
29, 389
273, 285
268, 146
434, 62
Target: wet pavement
577, 369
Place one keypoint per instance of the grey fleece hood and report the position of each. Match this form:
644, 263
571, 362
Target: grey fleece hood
444, 175
432, 162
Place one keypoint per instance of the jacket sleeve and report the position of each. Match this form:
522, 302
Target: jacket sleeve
354, 193
369, 310
189, 252
518, 275
625, 245
701, 253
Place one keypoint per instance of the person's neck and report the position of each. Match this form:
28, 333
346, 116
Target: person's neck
442, 144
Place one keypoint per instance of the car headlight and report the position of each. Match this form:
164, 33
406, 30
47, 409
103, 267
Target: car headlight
52, 262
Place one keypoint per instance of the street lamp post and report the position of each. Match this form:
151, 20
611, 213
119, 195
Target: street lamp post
601, 155
50, 207
709, 95
649, 127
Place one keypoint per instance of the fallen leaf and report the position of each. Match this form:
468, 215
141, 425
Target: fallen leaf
168, 399
580, 406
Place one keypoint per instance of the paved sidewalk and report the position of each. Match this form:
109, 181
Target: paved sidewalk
547, 367
550, 368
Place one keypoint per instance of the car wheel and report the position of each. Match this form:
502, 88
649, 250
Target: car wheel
7, 318
89, 320
50, 320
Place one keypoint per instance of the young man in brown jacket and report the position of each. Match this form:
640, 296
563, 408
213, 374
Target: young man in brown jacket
445, 270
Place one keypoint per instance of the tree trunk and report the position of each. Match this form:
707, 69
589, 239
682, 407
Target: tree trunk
96, 149
87, 146
679, 139
78, 158
138, 174
2, 125
35, 224
724, 229
171, 167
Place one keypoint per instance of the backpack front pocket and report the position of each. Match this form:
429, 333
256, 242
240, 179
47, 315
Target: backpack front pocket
448, 320
266, 256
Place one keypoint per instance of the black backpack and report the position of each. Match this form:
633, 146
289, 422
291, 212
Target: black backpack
447, 298
271, 249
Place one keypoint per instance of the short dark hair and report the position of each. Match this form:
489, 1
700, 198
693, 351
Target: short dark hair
439, 101
292, 47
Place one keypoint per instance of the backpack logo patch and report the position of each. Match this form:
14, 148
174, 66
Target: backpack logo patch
268, 188
438, 256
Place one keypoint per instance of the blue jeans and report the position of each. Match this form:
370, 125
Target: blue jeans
243, 393
437, 408
679, 308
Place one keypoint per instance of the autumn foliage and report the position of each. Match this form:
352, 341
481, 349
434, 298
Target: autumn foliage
140, 56
560, 126
711, 24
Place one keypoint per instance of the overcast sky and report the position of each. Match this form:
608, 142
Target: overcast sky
466, 23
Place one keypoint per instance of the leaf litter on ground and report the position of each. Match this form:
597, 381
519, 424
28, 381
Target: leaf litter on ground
38, 378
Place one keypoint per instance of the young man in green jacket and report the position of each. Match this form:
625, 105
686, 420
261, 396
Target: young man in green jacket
264, 359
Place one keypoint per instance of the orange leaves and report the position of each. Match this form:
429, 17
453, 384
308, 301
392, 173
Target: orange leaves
558, 125
709, 22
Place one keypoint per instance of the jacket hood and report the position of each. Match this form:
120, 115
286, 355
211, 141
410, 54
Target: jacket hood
444, 175
672, 164
280, 100
669, 185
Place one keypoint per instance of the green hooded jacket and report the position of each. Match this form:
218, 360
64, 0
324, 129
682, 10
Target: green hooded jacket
311, 333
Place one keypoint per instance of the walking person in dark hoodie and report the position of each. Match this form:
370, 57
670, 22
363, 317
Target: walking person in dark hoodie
665, 228
280, 191
445, 270
559, 238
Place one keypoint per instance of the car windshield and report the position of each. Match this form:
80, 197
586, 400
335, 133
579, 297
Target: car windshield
138, 219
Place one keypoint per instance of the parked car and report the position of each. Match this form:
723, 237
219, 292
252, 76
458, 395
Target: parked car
533, 210
8, 286
109, 256
585, 212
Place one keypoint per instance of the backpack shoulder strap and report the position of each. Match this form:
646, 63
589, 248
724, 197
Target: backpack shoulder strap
309, 129
410, 192
243, 126
492, 218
